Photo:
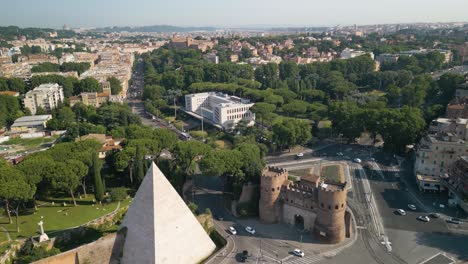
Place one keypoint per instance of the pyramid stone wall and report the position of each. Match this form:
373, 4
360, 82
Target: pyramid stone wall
160, 226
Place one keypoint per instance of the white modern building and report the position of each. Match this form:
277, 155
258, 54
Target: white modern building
351, 53
221, 109
47, 96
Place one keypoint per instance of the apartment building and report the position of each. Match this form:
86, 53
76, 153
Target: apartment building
47, 96
438, 150
221, 109
457, 183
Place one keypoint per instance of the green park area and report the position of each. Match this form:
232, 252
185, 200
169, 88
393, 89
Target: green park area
56, 216
18, 145
332, 173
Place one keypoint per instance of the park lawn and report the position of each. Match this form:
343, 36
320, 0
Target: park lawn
57, 217
31, 142
300, 173
333, 173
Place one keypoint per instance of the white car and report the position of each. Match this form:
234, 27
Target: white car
357, 160
232, 230
412, 207
250, 230
424, 218
339, 154
299, 155
298, 252
401, 212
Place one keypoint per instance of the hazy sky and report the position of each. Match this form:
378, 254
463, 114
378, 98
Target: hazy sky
92, 13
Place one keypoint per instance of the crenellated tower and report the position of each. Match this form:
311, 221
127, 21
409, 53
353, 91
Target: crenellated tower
271, 182
330, 222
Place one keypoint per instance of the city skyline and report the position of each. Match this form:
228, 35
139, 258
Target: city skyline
88, 13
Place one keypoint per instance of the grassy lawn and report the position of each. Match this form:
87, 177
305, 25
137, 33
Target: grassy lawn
30, 142
300, 173
57, 217
332, 173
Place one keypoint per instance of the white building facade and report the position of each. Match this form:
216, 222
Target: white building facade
221, 109
437, 151
46, 96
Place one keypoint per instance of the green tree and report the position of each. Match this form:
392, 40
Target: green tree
116, 87
187, 151
63, 119
153, 92
246, 53
40, 111
288, 70
261, 110
17, 84
98, 186
139, 163
79, 67
295, 107
46, 67
89, 84
291, 132
64, 178
14, 189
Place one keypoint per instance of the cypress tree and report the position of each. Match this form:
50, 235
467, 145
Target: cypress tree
98, 186
140, 170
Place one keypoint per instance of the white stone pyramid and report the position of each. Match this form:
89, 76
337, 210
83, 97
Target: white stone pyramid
160, 226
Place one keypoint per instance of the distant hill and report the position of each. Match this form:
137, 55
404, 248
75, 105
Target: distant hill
156, 28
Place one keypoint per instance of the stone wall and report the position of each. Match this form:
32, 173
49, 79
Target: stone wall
99, 251
247, 193
289, 213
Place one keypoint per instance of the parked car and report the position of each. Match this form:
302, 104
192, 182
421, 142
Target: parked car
435, 215
299, 155
250, 230
232, 230
357, 160
401, 212
339, 154
412, 207
455, 221
298, 252
424, 218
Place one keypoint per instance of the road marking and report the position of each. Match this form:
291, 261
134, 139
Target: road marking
442, 254
305, 260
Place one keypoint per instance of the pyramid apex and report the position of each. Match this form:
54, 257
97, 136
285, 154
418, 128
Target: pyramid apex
156, 220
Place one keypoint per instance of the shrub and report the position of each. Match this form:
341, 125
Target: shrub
118, 194
30, 253
193, 207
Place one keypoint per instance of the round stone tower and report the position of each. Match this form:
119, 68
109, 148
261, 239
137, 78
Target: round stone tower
330, 222
270, 189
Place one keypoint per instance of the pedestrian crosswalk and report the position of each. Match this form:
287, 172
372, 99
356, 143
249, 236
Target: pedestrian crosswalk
307, 259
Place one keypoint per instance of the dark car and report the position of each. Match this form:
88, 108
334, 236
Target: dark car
219, 217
